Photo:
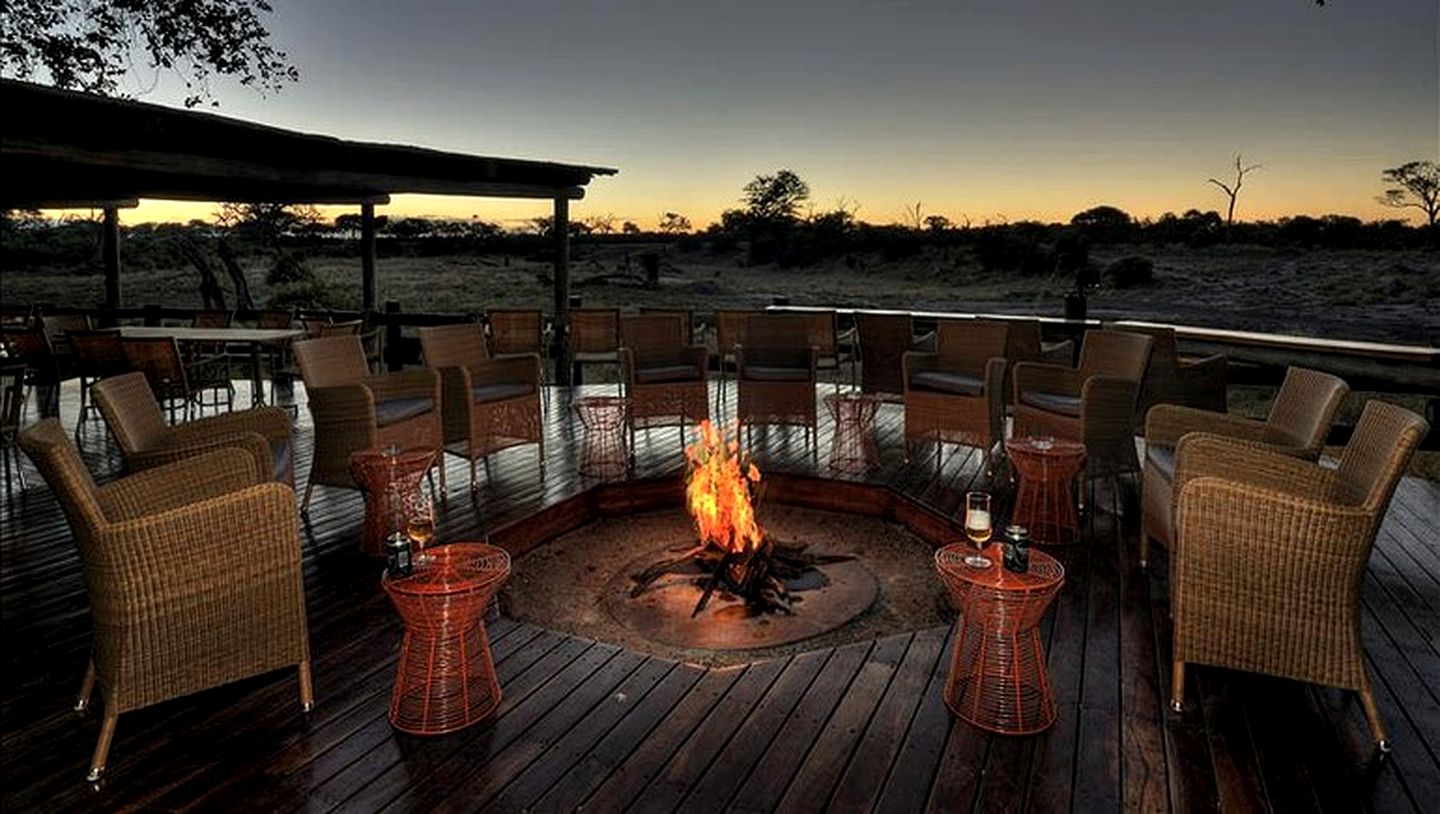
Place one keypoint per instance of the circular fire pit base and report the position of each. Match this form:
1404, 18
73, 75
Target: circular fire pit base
663, 612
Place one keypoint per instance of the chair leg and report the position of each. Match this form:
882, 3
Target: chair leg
87, 687
309, 488
102, 746
307, 688
474, 486
1144, 540
1372, 715
1177, 686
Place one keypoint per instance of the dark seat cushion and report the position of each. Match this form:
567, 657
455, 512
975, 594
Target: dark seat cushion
667, 373
769, 373
280, 449
1053, 402
1162, 458
499, 391
396, 410
940, 381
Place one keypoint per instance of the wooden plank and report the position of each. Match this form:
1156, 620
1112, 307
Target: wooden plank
908, 785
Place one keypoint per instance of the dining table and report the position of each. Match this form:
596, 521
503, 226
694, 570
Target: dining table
254, 341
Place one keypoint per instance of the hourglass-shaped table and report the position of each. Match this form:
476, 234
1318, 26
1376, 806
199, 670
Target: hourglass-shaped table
1045, 502
997, 678
446, 678
852, 448
379, 473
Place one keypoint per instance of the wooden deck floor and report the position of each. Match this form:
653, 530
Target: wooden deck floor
585, 724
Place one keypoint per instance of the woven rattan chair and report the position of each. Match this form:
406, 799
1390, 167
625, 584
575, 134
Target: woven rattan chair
274, 318
685, 315
1197, 382
1299, 420
12, 402
594, 337
957, 393
1093, 404
57, 329
146, 441
1270, 554
193, 574
355, 410
665, 377
43, 370
833, 348
776, 370
884, 340
521, 332
490, 404
177, 384
730, 329
97, 354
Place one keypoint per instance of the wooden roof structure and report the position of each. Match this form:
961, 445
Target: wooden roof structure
62, 148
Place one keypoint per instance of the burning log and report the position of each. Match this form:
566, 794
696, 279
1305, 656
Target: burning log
735, 554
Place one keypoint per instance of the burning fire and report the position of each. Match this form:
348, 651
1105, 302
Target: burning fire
718, 492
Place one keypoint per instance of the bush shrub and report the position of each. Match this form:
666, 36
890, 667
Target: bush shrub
1130, 272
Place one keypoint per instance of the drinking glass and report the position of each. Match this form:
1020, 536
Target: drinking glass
978, 527
420, 524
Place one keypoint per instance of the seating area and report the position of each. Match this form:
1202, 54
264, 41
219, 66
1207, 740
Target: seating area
1245, 618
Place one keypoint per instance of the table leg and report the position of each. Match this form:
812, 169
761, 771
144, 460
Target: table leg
257, 387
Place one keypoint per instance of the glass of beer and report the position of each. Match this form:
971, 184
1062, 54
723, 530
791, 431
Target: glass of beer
978, 527
420, 524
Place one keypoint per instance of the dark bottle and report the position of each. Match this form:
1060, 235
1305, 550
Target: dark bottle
1017, 549
397, 555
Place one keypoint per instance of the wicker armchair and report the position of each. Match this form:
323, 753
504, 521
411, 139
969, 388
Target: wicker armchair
355, 410
1093, 404
594, 337
685, 315
1171, 379
1299, 420
833, 347
730, 328
521, 333
146, 441
665, 377
176, 382
956, 394
193, 574
97, 354
12, 402
490, 404
776, 371
44, 370
884, 340
1271, 551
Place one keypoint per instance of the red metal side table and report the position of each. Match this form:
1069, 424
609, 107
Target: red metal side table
997, 679
852, 449
375, 471
1045, 502
446, 679
606, 451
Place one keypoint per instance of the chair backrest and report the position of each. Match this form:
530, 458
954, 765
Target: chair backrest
54, 454
516, 331
684, 315
823, 329
131, 411
331, 361
312, 323
212, 318
1304, 409
158, 358
274, 319
594, 330
460, 345
12, 399
884, 339
57, 326
1385, 438
967, 344
31, 345
98, 353
1115, 353
653, 338
780, 340
352, 327
731, 326
1024, 342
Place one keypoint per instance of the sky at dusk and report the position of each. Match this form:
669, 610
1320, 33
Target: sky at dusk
986, 110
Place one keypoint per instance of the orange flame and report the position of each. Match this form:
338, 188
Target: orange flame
717, 490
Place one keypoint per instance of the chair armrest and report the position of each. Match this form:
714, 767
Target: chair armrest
273, 423
1108, 399
457, 395
626, 357
1202, 455
348, 409
700, 358
1166, 424
518, 367
913, 361
420, 383
1045, 377
199, 477
253, 444
1058, 353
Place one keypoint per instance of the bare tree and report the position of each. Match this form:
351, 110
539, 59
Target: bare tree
674, 223
1414, 179
1232, 190
914, 216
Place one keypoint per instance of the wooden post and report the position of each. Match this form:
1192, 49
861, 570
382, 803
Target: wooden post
110, 254
561, 235
367, 257
394, 360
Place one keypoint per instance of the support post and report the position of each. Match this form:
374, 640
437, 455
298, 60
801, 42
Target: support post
367, 257
110, 254
561, 234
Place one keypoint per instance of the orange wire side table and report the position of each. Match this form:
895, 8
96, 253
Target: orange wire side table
606, 452
997, 679
852, 448
446, 679
373, 471
1045, 502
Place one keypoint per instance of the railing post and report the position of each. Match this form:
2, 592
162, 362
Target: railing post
153, 316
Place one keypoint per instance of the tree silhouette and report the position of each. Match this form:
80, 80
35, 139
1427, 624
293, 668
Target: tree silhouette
1232, 190
88, 44
1414, 179
674, 223
775, 199
629, 227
